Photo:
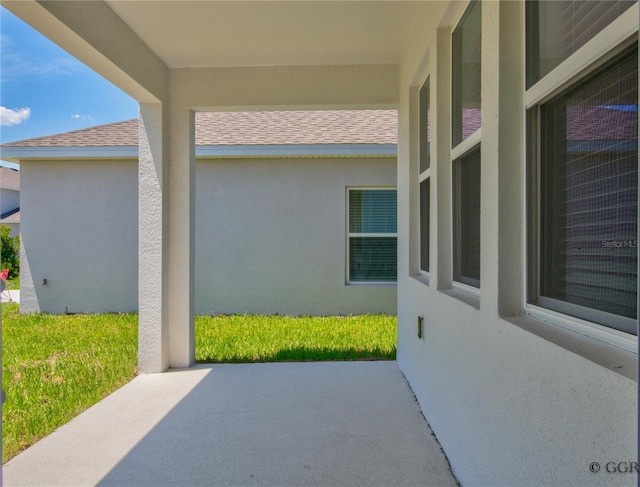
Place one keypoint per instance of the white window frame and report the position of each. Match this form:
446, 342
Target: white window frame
603, 47
365, 235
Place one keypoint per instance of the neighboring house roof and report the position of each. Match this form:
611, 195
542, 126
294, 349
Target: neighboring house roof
9, 178
12, 216
235, 134
113, 134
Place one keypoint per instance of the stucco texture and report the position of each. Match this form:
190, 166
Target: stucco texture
80, 235
270, 236
509, 405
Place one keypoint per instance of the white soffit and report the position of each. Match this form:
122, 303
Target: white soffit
194, 34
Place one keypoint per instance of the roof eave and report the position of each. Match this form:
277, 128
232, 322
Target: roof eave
17, 154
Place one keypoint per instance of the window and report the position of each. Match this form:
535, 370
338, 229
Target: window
466, 225
425, 197
557, 29
465, 113
372, 237
583, 183
425, 173
466, 45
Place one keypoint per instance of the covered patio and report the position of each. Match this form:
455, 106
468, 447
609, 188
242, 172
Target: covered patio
289, 424
179, 58
522, 385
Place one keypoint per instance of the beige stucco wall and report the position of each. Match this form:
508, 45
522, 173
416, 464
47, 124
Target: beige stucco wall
79, 224
270, 236
513, 401
9, 199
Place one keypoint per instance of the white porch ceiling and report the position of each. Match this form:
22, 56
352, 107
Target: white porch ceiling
198, 34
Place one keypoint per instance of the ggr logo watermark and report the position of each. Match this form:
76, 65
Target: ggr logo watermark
615, 467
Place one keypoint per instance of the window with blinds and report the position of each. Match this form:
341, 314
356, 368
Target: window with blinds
372, 237
466, 225
556, 29
466, 46
588, 196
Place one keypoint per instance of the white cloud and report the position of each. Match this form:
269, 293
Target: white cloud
77, 116
9, 117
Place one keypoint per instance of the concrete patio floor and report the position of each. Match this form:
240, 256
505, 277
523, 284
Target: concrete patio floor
284, 424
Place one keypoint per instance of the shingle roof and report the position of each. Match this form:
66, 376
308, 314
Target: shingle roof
9, 178
247, 128
113, 134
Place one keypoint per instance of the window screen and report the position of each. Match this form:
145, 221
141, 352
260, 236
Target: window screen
588, 193
372, 235
425, 195
557, 29
466, 47
425, 128
466, 210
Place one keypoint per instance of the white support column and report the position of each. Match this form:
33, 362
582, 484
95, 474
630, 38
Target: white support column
511, 163
153, 329
489, 149
442, 180
181, 248
502, 234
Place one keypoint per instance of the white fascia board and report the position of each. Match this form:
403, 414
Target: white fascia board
298, 150
88, 152
275, 151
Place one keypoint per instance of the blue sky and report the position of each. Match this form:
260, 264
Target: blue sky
44, 90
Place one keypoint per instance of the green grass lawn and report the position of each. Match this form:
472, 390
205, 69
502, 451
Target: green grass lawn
13, 283
55, 367
246, 338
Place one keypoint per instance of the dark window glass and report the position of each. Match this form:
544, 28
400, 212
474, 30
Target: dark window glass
556, 29
425, 128
466, 211
588, 194
425, 195
466, 47
373, 259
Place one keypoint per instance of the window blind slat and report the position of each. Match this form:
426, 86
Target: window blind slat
373, 259
372, 211
589, 198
